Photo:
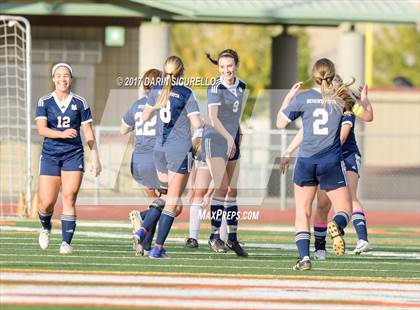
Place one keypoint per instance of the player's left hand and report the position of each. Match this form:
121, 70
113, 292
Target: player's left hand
95, 166
284, 162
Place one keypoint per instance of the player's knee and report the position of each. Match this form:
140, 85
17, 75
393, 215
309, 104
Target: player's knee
221, 192
199, 192
232, 192
158, 204
69, 198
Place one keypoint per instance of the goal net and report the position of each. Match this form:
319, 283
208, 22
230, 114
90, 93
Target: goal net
15, 116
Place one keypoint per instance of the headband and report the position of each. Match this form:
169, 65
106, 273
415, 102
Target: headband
62, 64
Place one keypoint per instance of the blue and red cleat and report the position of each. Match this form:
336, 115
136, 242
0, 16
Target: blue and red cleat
158, 252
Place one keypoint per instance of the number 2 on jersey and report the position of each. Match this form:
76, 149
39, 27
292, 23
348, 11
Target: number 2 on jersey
319, 122
145, 128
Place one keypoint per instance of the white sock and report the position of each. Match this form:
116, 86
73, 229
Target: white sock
195, 219
223, 229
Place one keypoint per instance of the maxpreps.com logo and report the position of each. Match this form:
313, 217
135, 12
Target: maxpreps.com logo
247, 215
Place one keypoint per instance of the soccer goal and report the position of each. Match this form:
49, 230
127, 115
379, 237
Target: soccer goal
15, 116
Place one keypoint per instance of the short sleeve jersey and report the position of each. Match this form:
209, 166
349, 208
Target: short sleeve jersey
350, 145
321, 126
174, 124
229, 99
145, 131
61, 115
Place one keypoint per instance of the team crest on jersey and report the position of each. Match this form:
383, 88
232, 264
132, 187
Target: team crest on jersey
74, 107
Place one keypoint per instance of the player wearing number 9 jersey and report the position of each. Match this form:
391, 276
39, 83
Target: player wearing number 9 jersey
59, 118
320, 160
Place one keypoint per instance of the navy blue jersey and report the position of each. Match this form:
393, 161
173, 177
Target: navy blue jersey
61, 115
321, 126
229, 99
350, 145
145, 131
174, 123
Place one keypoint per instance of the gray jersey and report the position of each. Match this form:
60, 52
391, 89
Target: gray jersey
321, 125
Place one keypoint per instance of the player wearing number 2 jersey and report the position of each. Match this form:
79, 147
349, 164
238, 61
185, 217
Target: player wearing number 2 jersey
320, 160
59, 118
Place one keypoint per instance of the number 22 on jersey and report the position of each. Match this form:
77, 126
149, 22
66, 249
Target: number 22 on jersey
145, 128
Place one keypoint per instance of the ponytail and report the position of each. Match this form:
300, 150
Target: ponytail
172, 69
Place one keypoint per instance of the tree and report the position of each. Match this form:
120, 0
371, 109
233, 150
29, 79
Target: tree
396, 52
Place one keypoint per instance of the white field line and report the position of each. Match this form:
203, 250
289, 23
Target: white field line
182, 240
212, 258
144, 263
245, 293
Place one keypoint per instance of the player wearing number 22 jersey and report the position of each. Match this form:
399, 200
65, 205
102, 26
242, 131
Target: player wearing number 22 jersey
62, 154
142, 165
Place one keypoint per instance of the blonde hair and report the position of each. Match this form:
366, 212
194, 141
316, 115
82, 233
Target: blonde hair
172, 69
196, 147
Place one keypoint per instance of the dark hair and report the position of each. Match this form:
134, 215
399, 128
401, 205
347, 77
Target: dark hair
225, 53
151, 78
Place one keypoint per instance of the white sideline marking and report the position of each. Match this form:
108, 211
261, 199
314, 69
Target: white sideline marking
258, 293
287, 247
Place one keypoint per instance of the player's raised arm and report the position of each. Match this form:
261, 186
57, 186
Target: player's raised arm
364, 111
282, 119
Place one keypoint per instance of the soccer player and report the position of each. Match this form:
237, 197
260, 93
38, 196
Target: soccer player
59, 117
352, 159
142, 165
221, 148
199, 193
177, 108
320, 160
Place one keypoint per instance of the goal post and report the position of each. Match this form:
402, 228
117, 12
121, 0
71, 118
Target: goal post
15, 115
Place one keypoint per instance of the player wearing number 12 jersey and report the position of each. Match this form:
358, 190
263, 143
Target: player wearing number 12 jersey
59, 118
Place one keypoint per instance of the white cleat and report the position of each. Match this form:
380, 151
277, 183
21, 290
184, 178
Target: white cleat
362, 246
320, 255
44, 239
135, 219
66, 248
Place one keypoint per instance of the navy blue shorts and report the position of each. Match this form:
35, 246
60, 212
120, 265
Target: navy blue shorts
353, 162
215, 145
50, 165
328, 176
172, 161
143, 170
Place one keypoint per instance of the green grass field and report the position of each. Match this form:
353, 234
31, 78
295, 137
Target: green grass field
99, 248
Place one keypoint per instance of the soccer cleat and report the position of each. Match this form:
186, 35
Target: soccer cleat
158, 252
135, 219
44, 239
191, 243
217, 245
320, 255
303, 264
236, 247
66, 248
362, 246
138, 243
339, 246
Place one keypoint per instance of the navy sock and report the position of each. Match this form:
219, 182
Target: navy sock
151, 219
148, 239
45, 219
359, 223
143, 214
231, 213
320, 234
68, 226
165, 224
216, 213
341, 219
303, 239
